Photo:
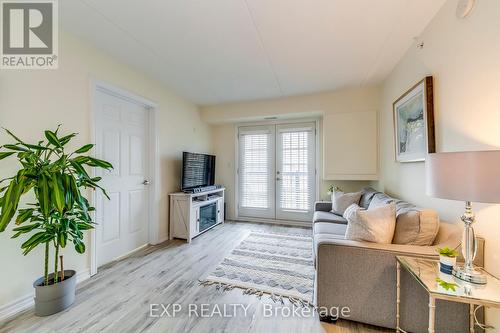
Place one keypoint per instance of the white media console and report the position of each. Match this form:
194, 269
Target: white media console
191, 214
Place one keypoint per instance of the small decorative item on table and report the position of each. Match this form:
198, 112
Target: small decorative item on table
447, 260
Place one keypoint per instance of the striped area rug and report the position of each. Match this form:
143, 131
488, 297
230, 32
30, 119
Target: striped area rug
280, 265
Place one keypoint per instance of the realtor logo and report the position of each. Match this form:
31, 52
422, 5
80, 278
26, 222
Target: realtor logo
29, 34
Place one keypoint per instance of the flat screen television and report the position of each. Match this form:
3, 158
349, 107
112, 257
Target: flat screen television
198, 170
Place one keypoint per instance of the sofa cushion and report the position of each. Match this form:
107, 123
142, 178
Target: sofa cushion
341, 200
320, 216
414, 225
366, 197
329, 228
374, 225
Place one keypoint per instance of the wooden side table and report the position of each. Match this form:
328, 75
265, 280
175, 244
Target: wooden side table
426, 272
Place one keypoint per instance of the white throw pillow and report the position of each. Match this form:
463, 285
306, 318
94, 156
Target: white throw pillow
374, 225
341, 200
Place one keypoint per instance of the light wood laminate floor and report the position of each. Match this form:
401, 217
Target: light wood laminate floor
118, 298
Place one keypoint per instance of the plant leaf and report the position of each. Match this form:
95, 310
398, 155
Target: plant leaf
33, 239
36, 147
1, 181
24, 215
12, 135
81, 159
26, 228
4, 154
52, 137
68, 192
65, 139
85, 226
43, 239
79, 169
84, 149
63, 237
79, 247
99, 163
15, 147
10, 201
43, 195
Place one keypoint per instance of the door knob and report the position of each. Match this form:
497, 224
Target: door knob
278, 178
146, 182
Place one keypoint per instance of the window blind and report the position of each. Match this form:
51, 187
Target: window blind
296, 183
255, 166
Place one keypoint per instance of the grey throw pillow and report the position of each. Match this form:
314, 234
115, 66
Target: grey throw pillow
341, 200
374, 225
379, 200
367, 195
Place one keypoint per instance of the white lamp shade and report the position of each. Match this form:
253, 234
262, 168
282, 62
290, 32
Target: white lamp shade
465, 176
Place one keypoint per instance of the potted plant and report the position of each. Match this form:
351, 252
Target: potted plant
59, 214
333, 188
447, 259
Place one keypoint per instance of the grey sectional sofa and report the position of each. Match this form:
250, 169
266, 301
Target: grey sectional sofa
362, 276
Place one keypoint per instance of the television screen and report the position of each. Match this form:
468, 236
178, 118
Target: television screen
197, 170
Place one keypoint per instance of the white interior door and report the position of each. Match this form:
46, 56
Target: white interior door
295, 171
277, 171
122, 128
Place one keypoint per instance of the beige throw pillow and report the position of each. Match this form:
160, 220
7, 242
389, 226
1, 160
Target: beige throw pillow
414, 225
341, 200
374, 225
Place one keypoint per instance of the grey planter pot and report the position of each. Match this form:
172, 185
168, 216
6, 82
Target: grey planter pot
55, 297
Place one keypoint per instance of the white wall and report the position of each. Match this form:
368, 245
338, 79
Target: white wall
32, 101
463, 56
225, 116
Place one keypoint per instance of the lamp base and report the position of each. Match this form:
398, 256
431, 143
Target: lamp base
469, 275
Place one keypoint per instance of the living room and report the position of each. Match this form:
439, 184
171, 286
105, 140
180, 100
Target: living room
323, 166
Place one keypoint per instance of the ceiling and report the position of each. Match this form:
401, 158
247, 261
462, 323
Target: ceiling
216, 51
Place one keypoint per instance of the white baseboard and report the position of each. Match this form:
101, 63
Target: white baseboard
131, 252
82, 275
162, 239
11, 309
15, 307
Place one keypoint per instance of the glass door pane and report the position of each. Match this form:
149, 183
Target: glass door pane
256, 172
295, 171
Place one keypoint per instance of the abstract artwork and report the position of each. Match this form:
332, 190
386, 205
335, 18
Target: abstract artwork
414, 123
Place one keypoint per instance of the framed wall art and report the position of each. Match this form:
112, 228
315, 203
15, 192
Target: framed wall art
414, 123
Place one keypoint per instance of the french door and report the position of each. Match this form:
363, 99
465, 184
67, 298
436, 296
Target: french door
277, 171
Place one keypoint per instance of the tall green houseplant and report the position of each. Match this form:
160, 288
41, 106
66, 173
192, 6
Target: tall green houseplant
60, 213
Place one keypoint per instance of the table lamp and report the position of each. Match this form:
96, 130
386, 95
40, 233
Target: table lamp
471, 177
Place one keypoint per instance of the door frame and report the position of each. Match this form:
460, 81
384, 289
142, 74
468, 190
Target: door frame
317, 122
154, 165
